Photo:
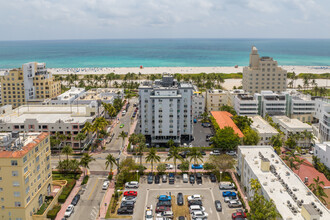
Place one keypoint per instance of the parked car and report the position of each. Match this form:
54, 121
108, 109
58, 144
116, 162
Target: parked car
150, 179
183, 154
163, 208
194, 197
166, 214
228, 193
130, 193
125, 211
105, 185
69, 211
197, 166
129, 198
231, 153
206, 125
195, 208
185, 178
195, 120
171, 178
149, 214
215, 153
121, 126
169, 166
164, 203
164, 198
192, 178
228, 198
218, 205
238, 214
226, 185
164, 178
203, 153
195, 202
213, 178
180, 199
199, 214
199, 179
234, 204
181, 218
127, 204
75, 200
157, 179
132, 184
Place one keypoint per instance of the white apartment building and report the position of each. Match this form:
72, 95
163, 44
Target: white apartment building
270, 103
264, 130
263, 74
245, 104
166, 110
322, 151
322, 114
288, 125
0, 96
67, 97
67, 120
300, 106
215, 99
293, 199
231, 96
198, 104
106, 95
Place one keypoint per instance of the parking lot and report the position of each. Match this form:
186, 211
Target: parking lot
200, 135
148, 194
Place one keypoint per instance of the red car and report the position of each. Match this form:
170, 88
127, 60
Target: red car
130, 193
239, 214
163, 208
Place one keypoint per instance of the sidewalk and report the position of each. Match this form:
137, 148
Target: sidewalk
106, 201
240, 190
74, 191
131, 131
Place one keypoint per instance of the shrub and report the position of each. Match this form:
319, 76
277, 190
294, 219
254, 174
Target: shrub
66, 191
85, 180
53, 212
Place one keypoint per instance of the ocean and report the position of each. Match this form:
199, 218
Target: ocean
162, 52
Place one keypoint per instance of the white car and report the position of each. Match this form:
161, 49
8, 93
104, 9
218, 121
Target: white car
129, 198
231, 153
195, 208
132, 184
194, 197
69, 211
166, 214
228, 198
105, 185
215, 153
149, 214
169, 166
199, 214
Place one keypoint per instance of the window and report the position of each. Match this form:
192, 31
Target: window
25, 169
37, 159
28, 199
17, 194
24, 159
17, 204
16, 183
27, 190
14, 162
1, 189
36, 149
14, 173
26, 180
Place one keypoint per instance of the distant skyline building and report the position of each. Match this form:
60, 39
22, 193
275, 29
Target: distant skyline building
166, 110
263, 74
31, 83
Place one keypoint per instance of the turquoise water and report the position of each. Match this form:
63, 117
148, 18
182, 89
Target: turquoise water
162, 52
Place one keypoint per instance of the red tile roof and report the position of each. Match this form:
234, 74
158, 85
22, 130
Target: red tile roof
25, 149
224, 120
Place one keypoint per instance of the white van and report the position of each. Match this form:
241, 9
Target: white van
226, 185
185, 178
105, 185
195, 208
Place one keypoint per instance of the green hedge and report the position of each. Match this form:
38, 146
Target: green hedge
85, 180
66, 191
53, 212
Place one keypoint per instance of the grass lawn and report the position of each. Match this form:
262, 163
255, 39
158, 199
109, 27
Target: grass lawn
180, 210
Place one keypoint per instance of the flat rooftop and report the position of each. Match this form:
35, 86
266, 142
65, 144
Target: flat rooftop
72, 92
279, 192
262, 126
291, 122
223, 119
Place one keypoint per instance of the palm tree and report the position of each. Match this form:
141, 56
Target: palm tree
110, 160
67, 150
123, 135
88, 128
277, 142
174, 153
79, 137
152, 157
195, 155
85, 160
293, 161
170, 143
99, 125
318, 190
140, 150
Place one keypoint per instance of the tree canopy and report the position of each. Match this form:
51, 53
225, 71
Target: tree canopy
226, 139
251, 137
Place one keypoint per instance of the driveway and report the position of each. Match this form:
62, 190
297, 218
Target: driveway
199, 133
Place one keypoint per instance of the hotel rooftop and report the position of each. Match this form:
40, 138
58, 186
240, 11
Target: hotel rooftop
292, 197
261, 125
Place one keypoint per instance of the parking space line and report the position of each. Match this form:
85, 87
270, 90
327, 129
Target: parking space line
213, 198
145, 204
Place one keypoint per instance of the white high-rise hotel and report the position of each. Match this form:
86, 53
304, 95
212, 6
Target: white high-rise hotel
166, 110
263, 74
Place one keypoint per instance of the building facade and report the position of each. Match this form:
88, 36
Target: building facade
270, 103
263, 74
264, 130
292, 198
322, 151
67, 97
31, 83
322, 114
245, 104
300, 106
198, 104
215, 99
25, 174
166, 111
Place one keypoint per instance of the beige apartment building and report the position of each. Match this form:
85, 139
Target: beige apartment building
215, 99
25, 175
263, 74
31, 83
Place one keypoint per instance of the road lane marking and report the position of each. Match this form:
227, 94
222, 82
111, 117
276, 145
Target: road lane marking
97, 180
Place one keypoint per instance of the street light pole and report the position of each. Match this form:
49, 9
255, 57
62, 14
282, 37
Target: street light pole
220, 176
137, 178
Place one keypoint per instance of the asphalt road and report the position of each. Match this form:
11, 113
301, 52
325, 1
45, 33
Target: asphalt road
199, 133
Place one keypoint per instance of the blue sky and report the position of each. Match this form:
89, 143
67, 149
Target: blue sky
100, 19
